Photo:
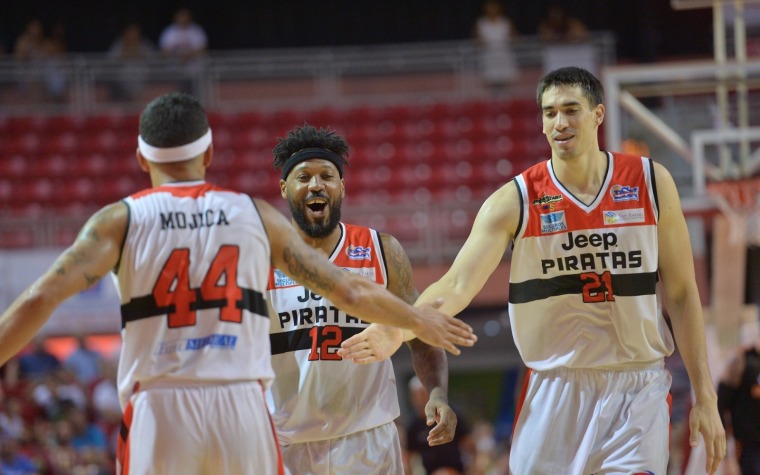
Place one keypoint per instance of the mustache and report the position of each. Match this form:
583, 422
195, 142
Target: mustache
312, 196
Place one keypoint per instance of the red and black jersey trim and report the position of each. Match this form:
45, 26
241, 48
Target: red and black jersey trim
300, 339
146, 307
623, 285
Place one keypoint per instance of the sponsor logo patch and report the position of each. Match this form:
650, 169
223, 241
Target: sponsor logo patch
546, 199
624, 193
553, 222
359, 253
624, 216
368, 272
216, 340
282, 280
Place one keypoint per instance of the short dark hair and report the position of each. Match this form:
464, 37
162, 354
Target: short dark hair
172, 120
308, 136
572, 76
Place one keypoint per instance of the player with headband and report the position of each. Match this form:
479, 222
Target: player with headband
333, 416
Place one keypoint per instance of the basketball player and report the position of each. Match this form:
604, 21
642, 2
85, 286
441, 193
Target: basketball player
191, 261
593, 232
333, 416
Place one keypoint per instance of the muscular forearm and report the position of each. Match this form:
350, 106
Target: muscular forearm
21, 322
431, 367
374, 304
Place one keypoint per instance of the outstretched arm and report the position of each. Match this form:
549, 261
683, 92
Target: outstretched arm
355, 294
493, 229
491, 233
94, 253
676, 265
429, 363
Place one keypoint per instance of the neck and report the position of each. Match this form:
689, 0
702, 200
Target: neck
583, 174
326, 244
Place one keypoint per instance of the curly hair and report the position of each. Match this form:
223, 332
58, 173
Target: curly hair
308, 136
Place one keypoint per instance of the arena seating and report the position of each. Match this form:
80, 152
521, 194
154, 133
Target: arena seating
400, 154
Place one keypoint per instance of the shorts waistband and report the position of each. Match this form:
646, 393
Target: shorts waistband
626, 368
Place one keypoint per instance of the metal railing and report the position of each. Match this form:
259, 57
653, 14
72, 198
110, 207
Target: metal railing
276, 78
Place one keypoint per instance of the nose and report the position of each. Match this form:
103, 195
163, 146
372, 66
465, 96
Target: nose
560, 121
316, 183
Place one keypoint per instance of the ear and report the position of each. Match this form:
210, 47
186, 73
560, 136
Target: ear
208, 155
142, 161
284, 188
599, 112
342, 188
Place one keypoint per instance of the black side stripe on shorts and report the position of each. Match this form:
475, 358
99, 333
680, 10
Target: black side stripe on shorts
623, 285
146, 307
300, 339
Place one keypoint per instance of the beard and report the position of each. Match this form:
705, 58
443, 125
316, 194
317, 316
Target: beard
319, 229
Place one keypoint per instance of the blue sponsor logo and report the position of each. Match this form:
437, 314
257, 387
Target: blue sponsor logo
624, 193
213, 341
553, 222
359, 253
218, 341
282, 280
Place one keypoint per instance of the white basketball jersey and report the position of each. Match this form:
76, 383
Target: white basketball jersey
316, 395
192, 280
583, 277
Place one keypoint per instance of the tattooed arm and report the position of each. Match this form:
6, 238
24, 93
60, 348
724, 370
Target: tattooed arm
354, 294
429, 363
94, 253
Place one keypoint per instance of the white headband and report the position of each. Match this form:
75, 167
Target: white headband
174, 154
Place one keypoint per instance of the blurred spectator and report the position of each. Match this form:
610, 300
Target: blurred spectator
185, 42
489, 457
86, 436
566, 44
12, 461
38, 362
84, 363
56, 391
739, 404
438, 459
31, 44
559, 26
133, 51
40, 55
680, 392
12, 422
105, 403
493, 33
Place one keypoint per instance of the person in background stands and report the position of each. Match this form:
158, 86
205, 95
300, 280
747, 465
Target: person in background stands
133, 52
493, 33
184, 42
739, 403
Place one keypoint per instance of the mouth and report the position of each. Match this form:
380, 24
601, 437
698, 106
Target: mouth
317, 207
563, 139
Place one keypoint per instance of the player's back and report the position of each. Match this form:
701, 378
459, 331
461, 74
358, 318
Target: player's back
192, 278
